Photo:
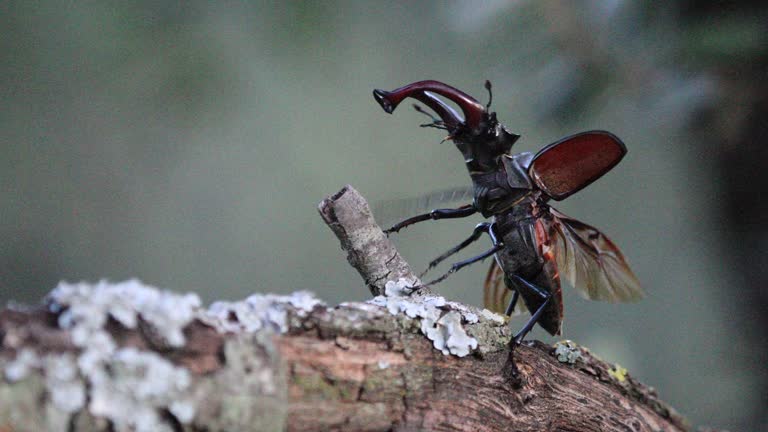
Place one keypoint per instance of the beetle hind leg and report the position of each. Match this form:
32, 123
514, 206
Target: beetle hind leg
510, 370
511, 307
546, 296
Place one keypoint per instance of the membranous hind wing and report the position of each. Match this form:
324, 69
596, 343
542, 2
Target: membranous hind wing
590, 262
569, 165
390, 211
549, 278
496, 295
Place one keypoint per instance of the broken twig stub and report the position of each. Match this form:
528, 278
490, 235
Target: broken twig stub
368, 249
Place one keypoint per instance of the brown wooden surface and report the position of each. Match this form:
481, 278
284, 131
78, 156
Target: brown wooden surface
339, 384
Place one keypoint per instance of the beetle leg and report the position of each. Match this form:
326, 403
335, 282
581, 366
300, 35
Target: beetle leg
463, 211
479, 230
513, 303
461, 264
536, 315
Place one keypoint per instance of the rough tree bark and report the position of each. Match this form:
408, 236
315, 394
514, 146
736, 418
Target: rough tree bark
130, 357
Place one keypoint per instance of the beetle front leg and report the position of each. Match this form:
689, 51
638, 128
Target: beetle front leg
463, 211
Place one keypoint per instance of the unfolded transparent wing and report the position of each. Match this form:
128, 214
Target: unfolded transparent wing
496, 295
392, 211
590, 262
552, 317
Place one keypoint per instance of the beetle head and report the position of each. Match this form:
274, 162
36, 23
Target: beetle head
478, 135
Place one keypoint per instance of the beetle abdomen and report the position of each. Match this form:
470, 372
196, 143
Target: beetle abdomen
521, 256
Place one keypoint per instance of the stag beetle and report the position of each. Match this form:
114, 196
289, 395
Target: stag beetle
533, 244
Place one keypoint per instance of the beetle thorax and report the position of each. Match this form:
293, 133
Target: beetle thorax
483, 147
505, 186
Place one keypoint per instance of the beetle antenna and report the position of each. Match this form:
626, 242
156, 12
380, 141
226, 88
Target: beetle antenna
490, 94
421, 110
432, 125
436, 123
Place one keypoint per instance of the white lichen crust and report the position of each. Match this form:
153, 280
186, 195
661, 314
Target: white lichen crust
86, 307
441, 321
136, 388
259, 311
567, 351
129, 388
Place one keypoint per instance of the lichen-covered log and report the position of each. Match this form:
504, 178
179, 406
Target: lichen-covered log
129, 357
106, 357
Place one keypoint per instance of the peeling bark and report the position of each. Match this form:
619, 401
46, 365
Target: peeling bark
273, 363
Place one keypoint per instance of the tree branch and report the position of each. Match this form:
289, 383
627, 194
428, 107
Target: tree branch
368, 249
130, 357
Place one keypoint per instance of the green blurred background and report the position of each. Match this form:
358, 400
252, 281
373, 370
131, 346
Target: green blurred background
188, 143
